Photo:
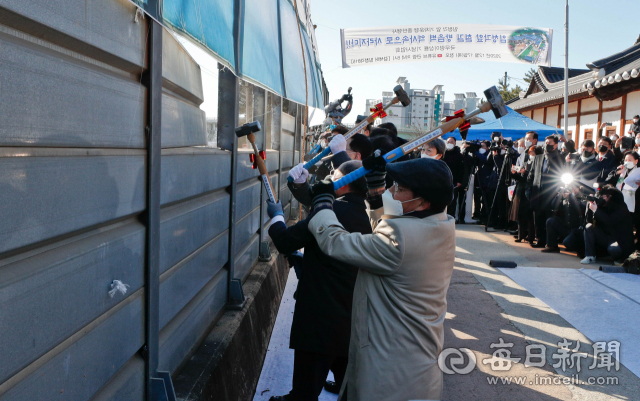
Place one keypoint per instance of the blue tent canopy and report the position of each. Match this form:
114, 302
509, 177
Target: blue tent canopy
513, 125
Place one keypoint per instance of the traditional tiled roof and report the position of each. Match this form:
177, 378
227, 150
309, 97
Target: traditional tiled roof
606, 79
615, 75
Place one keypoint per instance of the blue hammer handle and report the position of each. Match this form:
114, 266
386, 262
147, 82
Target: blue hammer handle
361, 172
313, 161
315, 149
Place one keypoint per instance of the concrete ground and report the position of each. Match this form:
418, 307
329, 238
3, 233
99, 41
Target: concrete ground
484, 306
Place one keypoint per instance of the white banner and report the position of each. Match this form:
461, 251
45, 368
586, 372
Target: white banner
413, 43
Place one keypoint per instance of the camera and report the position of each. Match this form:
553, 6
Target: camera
507, 143
473, 147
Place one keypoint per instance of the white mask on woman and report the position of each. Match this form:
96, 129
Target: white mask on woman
629, 165
391, 206
426, 156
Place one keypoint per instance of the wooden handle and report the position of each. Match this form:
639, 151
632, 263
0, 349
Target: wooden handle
262, 168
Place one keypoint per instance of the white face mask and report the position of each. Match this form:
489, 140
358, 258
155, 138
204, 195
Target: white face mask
496, 139
527, 143
614, 139
450, 146
391, 206
521, 149
482, 151
426, 156
635, 120
629, 165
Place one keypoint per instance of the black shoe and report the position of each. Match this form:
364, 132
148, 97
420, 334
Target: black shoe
538, 245
554, 249
332, 387
280, 398
513, 232
518, 240
461, 222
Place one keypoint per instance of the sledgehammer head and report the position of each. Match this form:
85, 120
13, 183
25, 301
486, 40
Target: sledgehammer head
248, 128
497, 103
402, 96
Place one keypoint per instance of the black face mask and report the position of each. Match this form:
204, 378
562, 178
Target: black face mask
602, 148
549, 148
586, 153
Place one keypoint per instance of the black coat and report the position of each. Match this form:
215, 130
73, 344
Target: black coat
614, 219
322, 316
454, 160
602, 168
544, 183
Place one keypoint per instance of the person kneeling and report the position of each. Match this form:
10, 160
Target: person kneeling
612, 227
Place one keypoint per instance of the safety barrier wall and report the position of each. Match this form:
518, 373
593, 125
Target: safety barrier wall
73, 191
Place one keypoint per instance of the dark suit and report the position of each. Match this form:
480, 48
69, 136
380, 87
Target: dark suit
321, 325
455, 161
301, 192
612, 229
544, 182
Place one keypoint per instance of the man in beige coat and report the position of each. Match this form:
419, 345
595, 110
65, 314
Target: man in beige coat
399, 302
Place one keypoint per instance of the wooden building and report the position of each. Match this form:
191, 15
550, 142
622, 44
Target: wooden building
602, 99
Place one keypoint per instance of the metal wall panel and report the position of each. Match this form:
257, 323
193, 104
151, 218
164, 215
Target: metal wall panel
184, 332
126, 385
246, 227
103, 30
187, 226
183, 124
181, 73
181, 283
53, 99
247, 257
79, 367
193, 171
43, 197
248, 197
51, 295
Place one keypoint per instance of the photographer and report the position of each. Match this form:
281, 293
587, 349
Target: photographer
567, 217
612, 227
499, 180
544, 181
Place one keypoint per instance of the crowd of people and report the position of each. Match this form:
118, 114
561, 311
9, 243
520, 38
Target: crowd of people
372, 281
550, 192
379, 252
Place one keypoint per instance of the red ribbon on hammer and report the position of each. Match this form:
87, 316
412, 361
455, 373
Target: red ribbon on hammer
378, 111
459, 114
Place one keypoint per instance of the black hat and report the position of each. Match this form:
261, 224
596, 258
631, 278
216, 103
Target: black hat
428, 178
360, 118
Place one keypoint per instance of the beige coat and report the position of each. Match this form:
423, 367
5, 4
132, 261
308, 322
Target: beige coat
399, 303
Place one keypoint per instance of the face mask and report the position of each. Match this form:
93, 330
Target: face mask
602, 149
629, 165
614, 139
450, 146
521, 149
635, 120
527, 143
482, 151
496, 139
391, 206
549, 148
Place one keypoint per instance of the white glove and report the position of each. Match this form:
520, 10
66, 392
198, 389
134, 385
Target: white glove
299, 174
338, 144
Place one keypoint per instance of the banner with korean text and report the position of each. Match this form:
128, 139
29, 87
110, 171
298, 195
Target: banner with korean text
435, 42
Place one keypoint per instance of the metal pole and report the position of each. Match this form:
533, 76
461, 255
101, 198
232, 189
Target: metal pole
566, 72
152, 214
505, 81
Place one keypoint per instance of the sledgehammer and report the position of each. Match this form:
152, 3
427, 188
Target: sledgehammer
376, 112
248, 130
494, 103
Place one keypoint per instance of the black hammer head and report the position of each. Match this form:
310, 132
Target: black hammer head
402, 96
497, 103
247, 129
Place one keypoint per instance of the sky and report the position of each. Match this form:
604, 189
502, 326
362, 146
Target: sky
596, 29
